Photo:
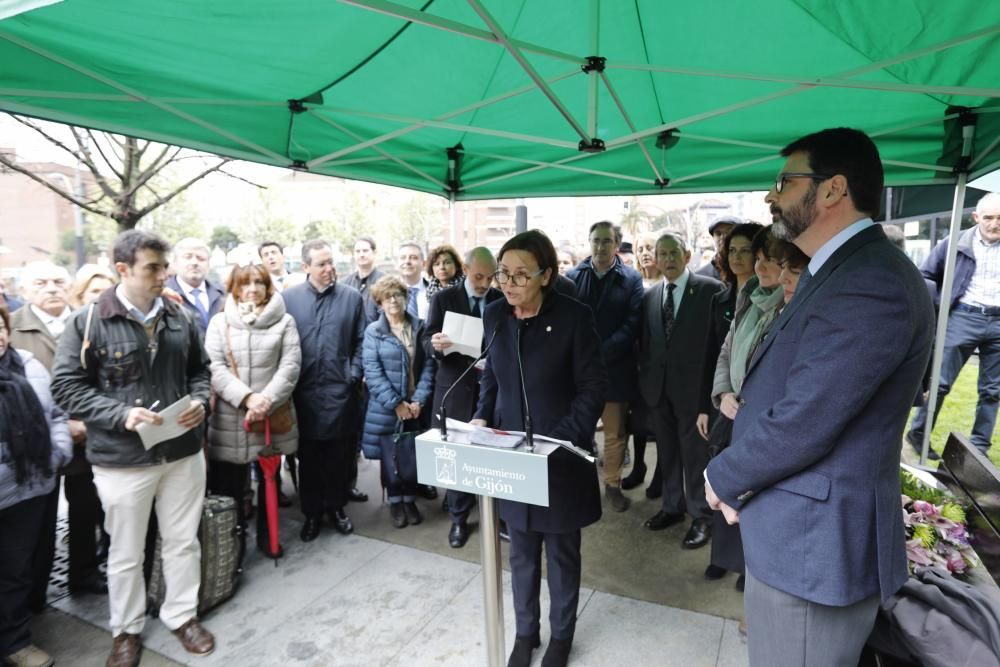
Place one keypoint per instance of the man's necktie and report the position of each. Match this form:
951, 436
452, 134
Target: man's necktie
668, 312
195, 293
477, 310
411, 303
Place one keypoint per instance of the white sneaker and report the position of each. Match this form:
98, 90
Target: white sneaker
29, 656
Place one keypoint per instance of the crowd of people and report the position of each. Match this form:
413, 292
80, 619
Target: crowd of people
714, 365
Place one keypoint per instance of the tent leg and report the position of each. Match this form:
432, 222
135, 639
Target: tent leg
943, 312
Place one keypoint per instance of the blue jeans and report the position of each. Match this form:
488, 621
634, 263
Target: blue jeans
966, 332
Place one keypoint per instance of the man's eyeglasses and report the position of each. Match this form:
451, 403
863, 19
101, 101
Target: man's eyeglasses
519, 279
779, 182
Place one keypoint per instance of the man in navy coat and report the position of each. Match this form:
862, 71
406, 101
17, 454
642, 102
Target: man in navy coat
614, 293
812, 474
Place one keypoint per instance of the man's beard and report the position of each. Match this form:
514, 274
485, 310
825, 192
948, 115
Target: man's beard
797, 219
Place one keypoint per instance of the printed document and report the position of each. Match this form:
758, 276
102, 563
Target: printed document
152, 434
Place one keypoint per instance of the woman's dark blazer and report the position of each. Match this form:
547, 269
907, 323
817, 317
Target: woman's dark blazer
722, 310
566, 383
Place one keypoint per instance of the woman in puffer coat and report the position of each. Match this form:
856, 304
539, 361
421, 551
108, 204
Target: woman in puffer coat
400, 380
254, 348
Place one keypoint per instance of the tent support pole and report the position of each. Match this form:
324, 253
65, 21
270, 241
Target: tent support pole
968, 132
494, 27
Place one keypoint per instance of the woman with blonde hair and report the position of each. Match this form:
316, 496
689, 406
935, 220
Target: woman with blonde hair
91, 280
254, 348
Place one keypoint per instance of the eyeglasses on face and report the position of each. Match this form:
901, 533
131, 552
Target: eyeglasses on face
779, 182
396, 296
519, 279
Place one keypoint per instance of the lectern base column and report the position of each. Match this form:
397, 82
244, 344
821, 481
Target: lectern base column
489, 536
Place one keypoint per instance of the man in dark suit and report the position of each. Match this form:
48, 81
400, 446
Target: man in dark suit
469, 298
812, 474
203, 298
674, 332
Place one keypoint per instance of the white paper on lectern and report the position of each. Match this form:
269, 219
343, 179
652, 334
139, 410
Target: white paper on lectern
152, 434
543, 443
465, 332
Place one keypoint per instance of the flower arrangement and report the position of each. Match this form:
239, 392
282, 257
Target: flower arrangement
936, 532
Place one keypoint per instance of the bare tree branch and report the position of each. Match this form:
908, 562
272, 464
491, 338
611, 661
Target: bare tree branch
240, 178
48, 137
87, 159
86, 205
96, 144
160, 201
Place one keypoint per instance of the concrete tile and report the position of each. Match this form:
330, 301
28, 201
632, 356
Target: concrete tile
367, 619
456, 636
616, 630
733, 648
271, 597
71, 641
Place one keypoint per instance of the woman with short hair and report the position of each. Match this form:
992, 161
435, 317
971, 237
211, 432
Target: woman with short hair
551, 340
400, 379
444, 269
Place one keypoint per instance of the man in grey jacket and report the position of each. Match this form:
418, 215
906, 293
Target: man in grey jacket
117, 360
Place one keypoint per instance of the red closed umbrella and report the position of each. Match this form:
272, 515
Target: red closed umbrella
270, 463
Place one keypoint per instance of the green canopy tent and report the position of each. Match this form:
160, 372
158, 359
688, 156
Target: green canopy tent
480, 99
475, 99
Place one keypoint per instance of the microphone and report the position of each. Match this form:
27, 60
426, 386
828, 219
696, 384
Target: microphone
444, 399
528, 432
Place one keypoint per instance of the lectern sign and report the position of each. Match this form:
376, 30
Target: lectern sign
508, 474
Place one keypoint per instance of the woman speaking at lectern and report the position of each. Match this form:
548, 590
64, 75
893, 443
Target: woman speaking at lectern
550, 340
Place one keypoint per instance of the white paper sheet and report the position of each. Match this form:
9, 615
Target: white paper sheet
152, 435
465, 332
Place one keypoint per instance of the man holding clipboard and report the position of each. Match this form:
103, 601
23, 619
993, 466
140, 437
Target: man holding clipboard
468, 299
127, 352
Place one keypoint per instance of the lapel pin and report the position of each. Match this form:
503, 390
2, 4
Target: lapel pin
549, 328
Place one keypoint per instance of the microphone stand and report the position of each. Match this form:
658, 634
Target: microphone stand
444, 399
528, 431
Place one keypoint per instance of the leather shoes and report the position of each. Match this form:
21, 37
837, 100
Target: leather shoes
520, 655
654, 491
636, 477
195, 638
356, 496
698, 534
398, 515
413, 515
714, 572
458, 535
125, 651
557, 654
662, 520
427, 491
616, 498
342, 523
310, 529
93, 583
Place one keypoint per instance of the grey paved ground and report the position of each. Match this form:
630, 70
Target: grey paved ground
388, 597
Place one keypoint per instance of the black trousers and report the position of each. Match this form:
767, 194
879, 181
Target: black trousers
563, 563
45, 550
20, 529
682, 455
460, 504
85, 517
325, 469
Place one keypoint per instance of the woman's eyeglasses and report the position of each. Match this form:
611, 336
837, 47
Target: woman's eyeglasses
518, 279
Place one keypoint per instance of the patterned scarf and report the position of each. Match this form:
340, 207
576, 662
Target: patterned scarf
435, 285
